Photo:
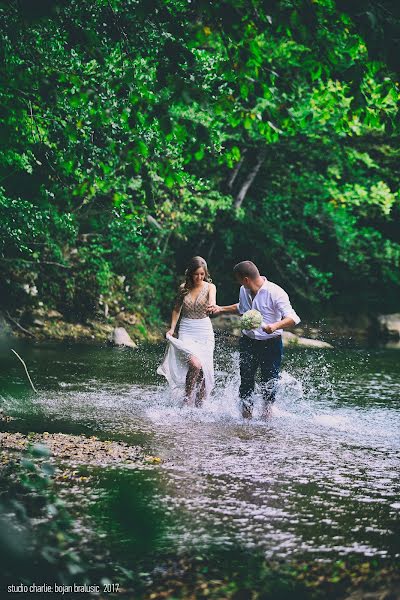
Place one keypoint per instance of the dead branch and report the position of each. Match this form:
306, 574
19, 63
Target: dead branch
249, 180
19, 326
35, 262
236, 171
26, 370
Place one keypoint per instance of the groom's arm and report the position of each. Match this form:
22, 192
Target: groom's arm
289, 316
214, 309
283, 324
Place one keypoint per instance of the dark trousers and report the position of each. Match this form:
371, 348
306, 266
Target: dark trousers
265, 355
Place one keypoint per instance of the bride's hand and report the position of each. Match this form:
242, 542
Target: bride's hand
169, 332
213, 309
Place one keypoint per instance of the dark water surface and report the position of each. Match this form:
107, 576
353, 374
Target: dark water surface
321, 479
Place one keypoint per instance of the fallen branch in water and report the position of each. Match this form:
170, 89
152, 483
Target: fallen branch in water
30, 380
19, 326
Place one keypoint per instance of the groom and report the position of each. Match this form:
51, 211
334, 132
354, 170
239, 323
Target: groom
259, 348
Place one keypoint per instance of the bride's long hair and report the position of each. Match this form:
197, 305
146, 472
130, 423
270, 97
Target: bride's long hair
194, 263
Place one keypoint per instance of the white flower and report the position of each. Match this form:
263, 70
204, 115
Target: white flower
251, 319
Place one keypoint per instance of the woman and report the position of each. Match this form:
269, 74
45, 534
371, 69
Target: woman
189, 361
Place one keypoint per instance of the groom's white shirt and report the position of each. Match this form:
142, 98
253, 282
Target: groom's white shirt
272, 302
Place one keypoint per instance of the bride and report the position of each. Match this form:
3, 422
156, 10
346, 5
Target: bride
188, 364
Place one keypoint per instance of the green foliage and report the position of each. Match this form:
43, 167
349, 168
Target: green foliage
133, 132
48, 547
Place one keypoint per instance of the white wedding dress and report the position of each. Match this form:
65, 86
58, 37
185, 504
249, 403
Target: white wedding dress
195, 338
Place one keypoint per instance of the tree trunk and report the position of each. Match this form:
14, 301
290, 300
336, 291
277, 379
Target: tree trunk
249, 180
236, 170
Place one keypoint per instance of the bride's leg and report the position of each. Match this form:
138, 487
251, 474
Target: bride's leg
191, 378
201, 392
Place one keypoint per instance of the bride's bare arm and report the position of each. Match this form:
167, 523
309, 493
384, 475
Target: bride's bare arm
212, 295
176, 311
174, 319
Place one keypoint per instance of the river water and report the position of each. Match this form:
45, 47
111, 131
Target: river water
319, 480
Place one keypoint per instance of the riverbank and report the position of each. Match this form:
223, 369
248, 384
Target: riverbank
42, 325
47, 324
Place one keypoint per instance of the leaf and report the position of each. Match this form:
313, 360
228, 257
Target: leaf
142, 149
169, 181
199, 155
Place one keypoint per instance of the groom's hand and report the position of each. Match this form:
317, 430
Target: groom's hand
269, 328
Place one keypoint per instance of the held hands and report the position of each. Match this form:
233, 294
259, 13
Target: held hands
213, 309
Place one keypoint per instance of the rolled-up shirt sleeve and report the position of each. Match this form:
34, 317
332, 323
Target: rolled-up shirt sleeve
242, 306
286, 309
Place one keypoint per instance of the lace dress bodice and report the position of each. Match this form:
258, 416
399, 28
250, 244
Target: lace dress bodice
196, 309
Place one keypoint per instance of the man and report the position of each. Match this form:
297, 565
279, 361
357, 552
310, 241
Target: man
260, 348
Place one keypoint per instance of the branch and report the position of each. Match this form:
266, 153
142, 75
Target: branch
19, 326
34, 122
36, 262
154, 222
26, 370
9, 174
236, 170
163, 251
121, 29
250, 178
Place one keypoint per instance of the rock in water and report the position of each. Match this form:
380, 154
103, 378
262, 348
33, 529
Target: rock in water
120, 337
310, 343
291, 339
390, 324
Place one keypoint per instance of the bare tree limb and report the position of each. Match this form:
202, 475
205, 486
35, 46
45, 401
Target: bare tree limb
34, 124
32, 121
249, 180
19, 326
35, 262
154, 222
236, 170
26, 370
163, 251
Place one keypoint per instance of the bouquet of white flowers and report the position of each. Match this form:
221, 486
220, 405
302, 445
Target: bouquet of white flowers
252, 319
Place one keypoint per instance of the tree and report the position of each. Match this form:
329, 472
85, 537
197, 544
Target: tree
138, 133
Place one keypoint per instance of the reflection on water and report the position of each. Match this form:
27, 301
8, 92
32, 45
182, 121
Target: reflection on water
320, 478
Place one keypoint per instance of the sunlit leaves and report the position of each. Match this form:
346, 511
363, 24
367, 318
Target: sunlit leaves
365, 200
